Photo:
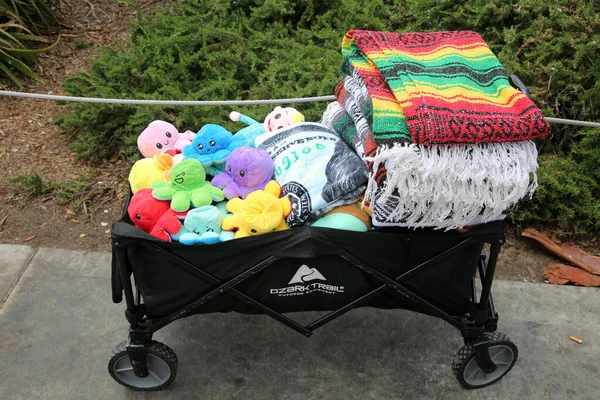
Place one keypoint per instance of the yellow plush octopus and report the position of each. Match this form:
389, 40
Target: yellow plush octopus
262, 211
148, 170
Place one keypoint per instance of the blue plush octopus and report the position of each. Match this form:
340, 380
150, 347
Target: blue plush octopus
211, 146
202, 225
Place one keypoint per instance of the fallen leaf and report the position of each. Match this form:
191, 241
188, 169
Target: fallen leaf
43, 226
68, 211
27, 239
75, 220
45, 199
104, 223
82, 235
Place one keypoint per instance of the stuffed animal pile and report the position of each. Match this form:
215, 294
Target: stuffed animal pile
214, 186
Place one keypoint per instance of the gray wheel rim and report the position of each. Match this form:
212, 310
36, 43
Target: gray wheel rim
159, 372
503, 356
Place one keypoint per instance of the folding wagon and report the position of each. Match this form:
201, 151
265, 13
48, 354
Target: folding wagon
308, 269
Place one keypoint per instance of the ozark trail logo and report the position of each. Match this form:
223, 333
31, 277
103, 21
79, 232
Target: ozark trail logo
302, 283
305, 274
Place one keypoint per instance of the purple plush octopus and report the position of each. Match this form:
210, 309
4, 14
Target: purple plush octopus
247, 169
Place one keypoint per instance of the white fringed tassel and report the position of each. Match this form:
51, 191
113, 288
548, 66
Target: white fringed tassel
450, 186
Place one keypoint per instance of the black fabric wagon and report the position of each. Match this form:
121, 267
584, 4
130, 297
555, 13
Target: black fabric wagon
308, 269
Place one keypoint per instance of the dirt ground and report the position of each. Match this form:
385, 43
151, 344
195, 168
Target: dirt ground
31, 142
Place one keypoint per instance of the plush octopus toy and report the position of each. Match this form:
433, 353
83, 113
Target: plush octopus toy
188, 187
211, 146
247, 169
153, 216
203, 225
162, 137
261, 212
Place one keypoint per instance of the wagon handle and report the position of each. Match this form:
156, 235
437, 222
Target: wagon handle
515, 81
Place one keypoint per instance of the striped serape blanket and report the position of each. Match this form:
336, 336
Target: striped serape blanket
445, 136
438, 88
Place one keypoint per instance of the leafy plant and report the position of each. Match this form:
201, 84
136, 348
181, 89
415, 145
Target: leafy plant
83, 44
76, 190
73, 193
21, 22
568, 195
30, 185
36, 15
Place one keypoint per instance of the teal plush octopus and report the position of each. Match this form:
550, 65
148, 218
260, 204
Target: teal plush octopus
188, 187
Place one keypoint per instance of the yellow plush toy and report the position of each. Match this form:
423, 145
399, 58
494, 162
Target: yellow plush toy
148, 170
262, 211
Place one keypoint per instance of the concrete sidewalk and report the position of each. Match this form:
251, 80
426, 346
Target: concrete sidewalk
58, 327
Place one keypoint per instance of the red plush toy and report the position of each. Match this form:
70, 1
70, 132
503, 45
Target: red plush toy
154, 216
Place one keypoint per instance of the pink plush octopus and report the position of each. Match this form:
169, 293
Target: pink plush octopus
162, 137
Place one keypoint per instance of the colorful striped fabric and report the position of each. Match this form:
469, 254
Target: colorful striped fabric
438, 88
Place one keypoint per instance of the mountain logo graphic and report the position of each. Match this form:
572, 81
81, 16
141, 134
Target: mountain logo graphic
305, 274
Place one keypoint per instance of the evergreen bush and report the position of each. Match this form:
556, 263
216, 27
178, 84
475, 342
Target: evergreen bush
259, 49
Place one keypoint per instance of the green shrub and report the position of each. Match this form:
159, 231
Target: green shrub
214, 50
569, 189
260, 49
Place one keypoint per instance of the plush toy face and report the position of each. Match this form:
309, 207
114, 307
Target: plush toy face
204, 219
187, 175
210, 139
145, 211
188, 187
157, 138
281, 118
249, 167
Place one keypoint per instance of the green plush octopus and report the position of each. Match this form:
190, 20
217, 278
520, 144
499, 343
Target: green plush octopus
188, 186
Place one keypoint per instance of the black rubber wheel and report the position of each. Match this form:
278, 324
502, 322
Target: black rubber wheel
503, 353
162, 367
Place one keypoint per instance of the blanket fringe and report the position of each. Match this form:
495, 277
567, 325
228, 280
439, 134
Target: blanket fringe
450, 186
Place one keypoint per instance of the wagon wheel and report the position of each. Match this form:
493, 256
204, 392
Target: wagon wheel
502, 352
162, 367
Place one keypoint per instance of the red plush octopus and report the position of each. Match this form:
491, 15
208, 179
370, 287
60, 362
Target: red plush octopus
154, 216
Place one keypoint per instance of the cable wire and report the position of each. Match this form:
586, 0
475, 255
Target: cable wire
41, 96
